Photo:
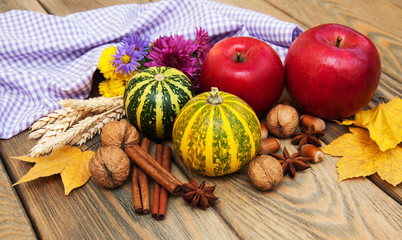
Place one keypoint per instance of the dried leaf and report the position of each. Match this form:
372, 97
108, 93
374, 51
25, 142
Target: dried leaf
70, 162
384, 123
361, 156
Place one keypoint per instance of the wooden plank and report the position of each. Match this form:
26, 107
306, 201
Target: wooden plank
32, 5
313, 205
263, 7
91, 212
62, 8
14, 222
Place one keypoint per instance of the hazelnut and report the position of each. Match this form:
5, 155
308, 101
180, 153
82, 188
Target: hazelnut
312, 152
109, 167
265, 172
269, 145
308, 120
282, 120
120, 134
264, 131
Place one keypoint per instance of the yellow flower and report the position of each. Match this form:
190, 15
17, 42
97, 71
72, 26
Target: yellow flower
106, 66
115, 83
113, 87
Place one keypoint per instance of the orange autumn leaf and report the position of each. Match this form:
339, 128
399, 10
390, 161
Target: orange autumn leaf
70, 162
384, 123
361, 156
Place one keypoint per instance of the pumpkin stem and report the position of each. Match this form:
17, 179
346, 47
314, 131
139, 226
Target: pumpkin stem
159, 77
214, 98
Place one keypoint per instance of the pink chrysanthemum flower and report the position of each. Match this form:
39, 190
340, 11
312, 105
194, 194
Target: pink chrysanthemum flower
174, 51
203, 44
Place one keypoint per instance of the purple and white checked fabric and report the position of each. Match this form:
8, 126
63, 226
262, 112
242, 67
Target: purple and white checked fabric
46, 58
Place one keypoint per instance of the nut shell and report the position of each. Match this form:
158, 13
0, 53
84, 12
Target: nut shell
109, 167
120, 134
308, 120
269, 145
264, 131
282, 120
265, 172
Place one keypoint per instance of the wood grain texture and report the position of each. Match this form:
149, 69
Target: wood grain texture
313, 205
92, 212
14, 222
62, 8
32, 5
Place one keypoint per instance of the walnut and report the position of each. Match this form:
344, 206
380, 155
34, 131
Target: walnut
120, 134
265, 172
282, 120
109, 167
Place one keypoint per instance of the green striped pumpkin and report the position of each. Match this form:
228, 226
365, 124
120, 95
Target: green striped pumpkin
216, 133
154, 97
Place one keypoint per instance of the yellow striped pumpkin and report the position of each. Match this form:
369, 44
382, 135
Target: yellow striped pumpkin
154, 97
216, 133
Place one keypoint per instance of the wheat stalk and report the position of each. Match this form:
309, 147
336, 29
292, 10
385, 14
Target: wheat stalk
97, 126
94, 105
72, 112
53, 140
51, 118
60, 125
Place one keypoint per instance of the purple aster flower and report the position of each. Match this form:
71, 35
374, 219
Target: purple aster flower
126, 59
203, 44
138, 44
174, 51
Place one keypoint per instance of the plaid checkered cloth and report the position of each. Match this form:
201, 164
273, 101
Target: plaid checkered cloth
46, 58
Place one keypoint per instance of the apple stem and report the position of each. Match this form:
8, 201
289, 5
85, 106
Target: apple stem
214, 98
338, 40
239, 57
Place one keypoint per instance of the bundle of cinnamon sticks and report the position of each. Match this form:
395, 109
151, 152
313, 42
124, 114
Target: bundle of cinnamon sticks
159, 170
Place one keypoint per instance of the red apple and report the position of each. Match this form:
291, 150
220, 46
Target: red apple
246, 67
332, 71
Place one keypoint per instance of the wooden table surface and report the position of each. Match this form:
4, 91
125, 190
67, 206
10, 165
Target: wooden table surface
311, 206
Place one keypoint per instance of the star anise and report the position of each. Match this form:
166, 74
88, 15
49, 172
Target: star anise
291, 164
198, 196
307, 136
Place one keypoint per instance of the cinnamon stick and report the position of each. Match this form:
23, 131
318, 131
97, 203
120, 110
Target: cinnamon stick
153, 169
143, 180
163, 193
157, 187
136, 191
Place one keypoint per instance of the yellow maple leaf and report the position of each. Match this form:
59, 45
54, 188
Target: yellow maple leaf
384, 123
70, 162
361, 156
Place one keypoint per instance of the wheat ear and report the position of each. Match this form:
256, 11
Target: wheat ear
51, 118
60, 125
94, 105
73, 111
52, 142
97, 126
